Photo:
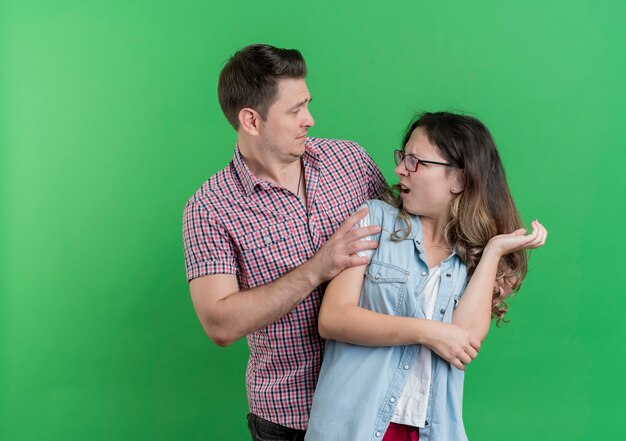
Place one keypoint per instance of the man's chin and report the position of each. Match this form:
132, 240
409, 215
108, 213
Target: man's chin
299, 149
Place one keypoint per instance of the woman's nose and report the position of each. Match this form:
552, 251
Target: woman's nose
401, 170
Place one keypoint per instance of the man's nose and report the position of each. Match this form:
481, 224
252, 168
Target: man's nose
308, 119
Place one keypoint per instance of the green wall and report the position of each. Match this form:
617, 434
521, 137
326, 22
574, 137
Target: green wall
109, 121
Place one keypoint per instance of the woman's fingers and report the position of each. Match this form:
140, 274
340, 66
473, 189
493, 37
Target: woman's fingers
458, 364
465, 359
518, 239
539, 235
462, 359
472, 353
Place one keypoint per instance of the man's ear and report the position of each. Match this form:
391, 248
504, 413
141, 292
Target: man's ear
249, 120
458, 183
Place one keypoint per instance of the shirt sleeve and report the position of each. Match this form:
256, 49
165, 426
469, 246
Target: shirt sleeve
376, 183
365, 222
208, 246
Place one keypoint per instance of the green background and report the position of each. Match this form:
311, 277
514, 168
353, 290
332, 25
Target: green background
109, 121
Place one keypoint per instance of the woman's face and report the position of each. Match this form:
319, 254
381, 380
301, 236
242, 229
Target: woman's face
429, 190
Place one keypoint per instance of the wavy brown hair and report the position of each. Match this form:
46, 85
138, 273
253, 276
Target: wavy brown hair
485, 207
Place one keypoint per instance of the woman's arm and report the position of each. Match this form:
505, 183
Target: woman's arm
474, 311
341, 318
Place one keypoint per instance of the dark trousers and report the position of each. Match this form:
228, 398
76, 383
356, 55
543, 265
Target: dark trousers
263, 430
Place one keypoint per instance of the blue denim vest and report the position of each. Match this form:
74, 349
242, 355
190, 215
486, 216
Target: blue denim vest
359, 386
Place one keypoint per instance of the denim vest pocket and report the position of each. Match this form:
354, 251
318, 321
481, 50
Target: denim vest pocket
385, 288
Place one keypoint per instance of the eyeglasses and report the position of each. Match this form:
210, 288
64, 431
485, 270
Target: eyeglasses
411, 162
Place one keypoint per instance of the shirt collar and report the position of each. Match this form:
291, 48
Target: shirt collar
247, 179
312, 152
249, 182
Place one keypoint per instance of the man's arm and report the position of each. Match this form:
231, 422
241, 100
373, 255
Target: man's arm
228, 314
373, 181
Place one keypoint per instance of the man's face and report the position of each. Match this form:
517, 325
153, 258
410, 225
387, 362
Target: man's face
288, 119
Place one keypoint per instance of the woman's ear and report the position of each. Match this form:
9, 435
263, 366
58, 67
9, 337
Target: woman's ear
458, 181
249, 121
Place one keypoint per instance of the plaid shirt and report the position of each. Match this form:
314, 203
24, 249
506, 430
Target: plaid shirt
239, 224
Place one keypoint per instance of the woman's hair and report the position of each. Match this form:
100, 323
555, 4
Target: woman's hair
484, 208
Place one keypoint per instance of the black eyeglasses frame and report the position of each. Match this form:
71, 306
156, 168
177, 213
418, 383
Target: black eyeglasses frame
399, 156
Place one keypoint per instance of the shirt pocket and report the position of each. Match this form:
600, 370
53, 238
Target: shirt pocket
338, 213
269, 252
266, 237
385, 288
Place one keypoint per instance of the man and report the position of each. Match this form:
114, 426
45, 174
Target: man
263, 235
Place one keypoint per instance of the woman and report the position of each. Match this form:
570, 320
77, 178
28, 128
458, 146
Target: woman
401, 329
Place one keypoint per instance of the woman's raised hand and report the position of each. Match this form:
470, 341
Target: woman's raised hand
504, 244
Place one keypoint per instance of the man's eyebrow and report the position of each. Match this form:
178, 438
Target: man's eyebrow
301, 103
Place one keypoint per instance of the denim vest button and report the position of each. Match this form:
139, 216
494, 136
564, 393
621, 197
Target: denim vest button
406, 367
442, 311
425, 423
377, 276
448, 275
392, 400
424, 273
377, 434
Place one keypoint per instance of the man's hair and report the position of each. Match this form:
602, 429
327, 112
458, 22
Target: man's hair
250, 78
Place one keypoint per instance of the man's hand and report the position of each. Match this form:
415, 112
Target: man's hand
338, 253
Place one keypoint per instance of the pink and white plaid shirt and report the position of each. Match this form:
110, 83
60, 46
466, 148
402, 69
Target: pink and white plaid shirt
239, 224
